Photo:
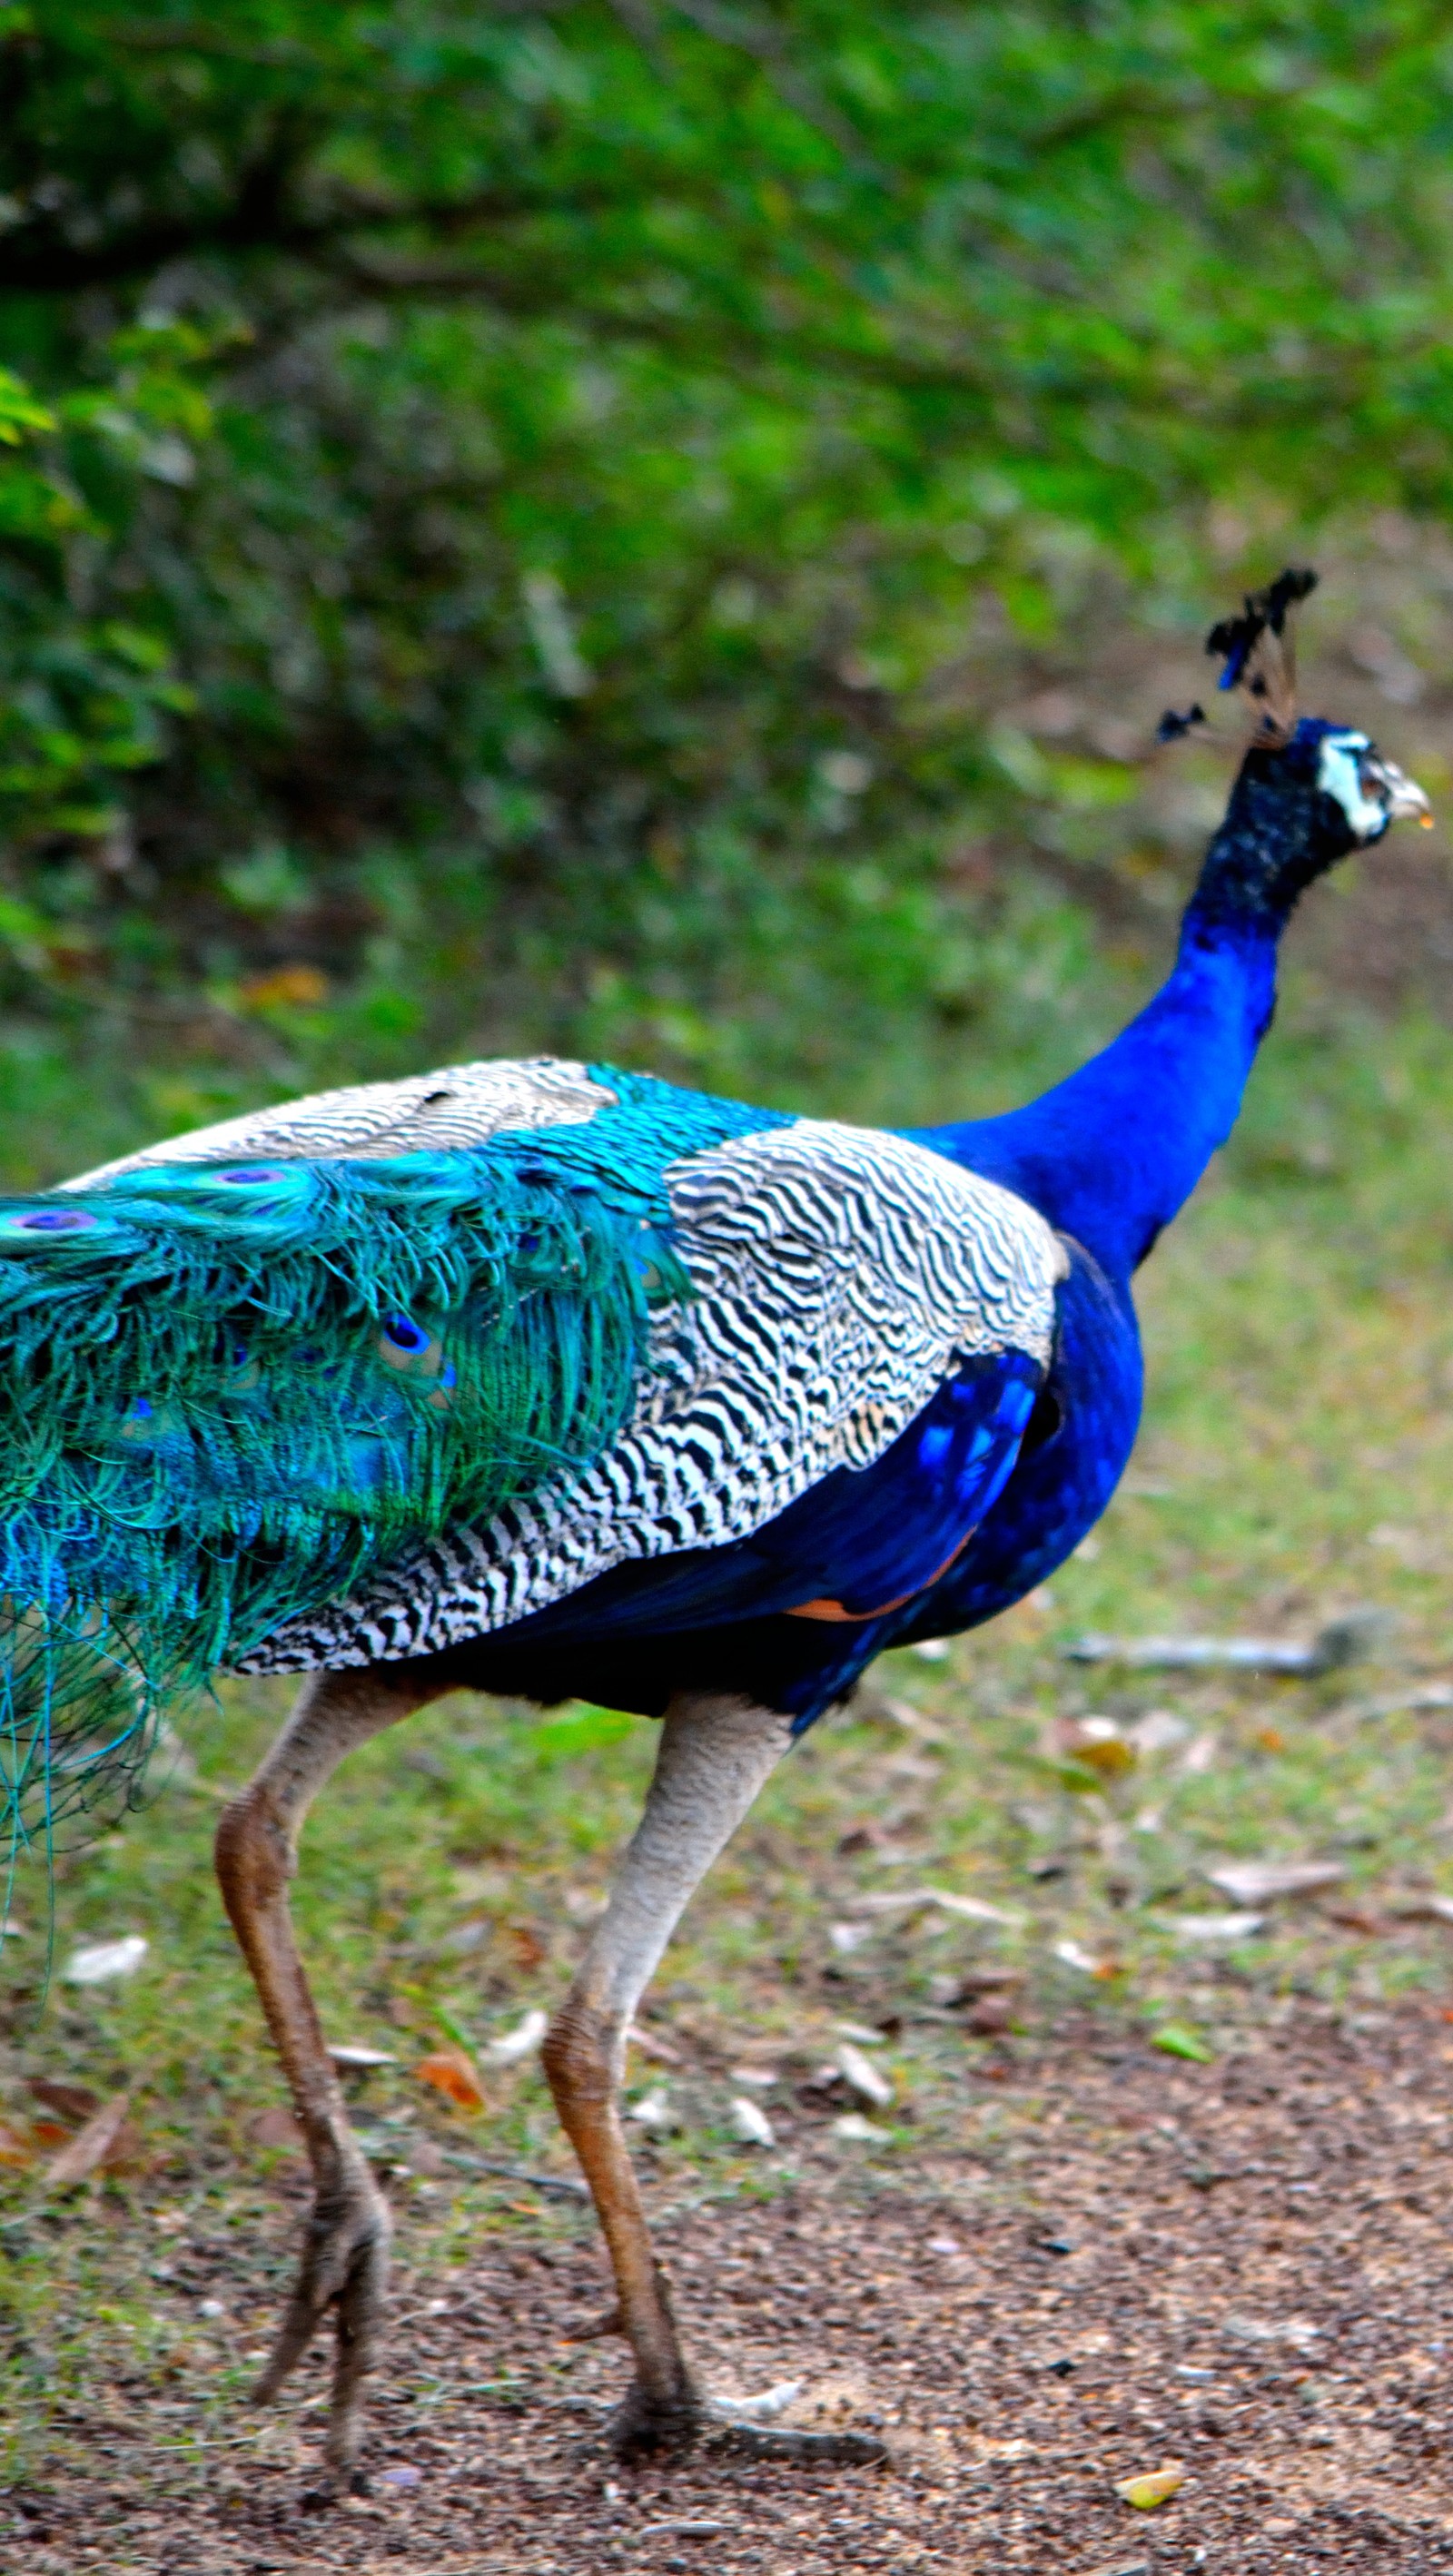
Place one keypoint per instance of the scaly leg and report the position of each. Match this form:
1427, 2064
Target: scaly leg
715, 1755
345, 2253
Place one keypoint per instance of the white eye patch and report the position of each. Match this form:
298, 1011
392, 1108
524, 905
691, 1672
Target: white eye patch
1339, 774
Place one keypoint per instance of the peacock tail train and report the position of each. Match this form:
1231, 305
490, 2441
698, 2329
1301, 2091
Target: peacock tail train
228, 1391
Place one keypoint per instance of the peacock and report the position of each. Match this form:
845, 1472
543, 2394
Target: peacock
550, 1379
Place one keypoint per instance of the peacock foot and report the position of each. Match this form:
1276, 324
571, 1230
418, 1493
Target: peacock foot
650, 2421
345, 2268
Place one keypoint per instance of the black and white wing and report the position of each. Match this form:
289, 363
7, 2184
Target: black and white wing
839, 1275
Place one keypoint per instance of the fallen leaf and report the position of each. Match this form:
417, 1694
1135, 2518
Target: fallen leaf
1084, 1960
452, 2071
654, 2113
847, 1937
863, 2077
1179, 2041
402, 2476
1214, 1927
1355, 1918
750, 2123
1254, 1882
99, 1963
351, 2057
1094, 1741
989, 2016
974, 1909
1155, 2486
106, 2139
73, 2101
853, 2125
1270, 1739
14, 2149
1425, 1908
650, 2045
520, 2042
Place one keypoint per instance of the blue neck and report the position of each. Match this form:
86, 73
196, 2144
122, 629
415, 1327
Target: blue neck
1111, 1154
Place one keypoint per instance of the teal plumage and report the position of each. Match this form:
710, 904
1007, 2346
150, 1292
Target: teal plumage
228, 1392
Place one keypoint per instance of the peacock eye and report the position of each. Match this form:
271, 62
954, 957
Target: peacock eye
55, 1221
249, 1176
403, 1334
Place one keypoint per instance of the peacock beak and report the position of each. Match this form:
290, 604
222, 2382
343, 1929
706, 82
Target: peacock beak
1401, 797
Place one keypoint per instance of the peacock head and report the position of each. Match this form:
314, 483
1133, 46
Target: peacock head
1308, 793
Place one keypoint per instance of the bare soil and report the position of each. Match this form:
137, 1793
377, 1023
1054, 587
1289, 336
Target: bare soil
1241, 2267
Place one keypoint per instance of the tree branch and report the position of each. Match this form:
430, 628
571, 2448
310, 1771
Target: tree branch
37, 257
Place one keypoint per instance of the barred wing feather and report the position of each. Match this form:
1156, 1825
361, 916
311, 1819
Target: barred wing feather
405, 1362
837, 1274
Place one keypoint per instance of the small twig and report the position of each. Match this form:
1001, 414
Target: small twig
565, 2184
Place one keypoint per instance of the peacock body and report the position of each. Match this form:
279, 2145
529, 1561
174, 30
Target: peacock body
595, 1385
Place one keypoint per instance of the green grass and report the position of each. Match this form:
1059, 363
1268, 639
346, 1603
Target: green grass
1296, 1461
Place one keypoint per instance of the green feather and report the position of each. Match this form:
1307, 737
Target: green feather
230, 1392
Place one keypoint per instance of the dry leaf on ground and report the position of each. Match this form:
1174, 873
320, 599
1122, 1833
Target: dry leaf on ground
751, 2124
452, 2072
651, 2044
863, 2077
1255, 1882
107, 2139
654, 2114
1214, 1927
72, 2101
1427, 1906
100, 1963
1156, 2486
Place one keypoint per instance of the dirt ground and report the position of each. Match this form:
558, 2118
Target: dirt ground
1243, 2268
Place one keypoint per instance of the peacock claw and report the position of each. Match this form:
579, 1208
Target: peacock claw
644, 2425
344, 2267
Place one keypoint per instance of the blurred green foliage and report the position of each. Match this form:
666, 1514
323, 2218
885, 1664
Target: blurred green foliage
534, 497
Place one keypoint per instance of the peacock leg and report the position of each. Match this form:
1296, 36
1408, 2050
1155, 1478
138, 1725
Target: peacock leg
714, 1756
345, 2253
